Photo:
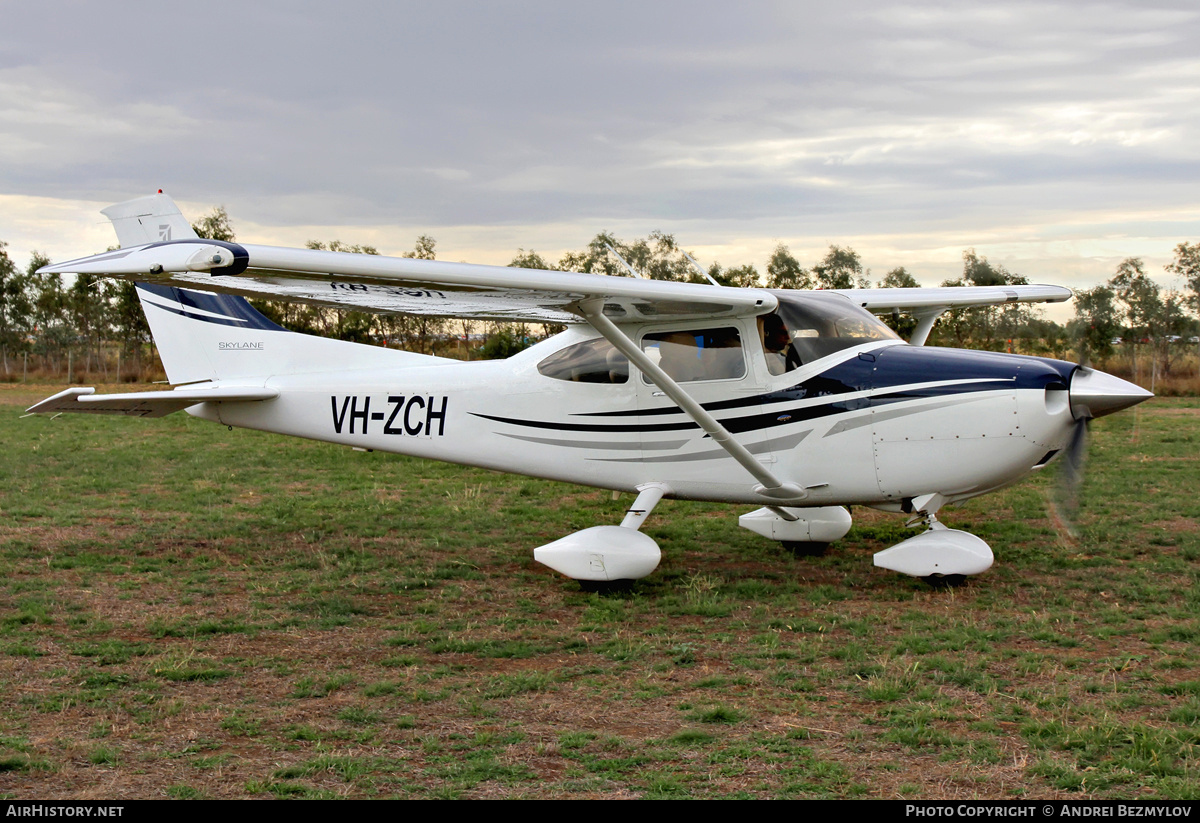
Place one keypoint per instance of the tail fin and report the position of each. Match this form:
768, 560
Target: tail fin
221, 337
203, 336
190, 328
153, 219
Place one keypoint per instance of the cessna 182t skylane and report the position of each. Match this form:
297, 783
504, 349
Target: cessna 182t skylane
798, 402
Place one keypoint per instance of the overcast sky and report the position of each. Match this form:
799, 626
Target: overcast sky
1056, 139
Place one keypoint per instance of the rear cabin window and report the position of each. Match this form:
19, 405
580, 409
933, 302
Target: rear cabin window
700, 354
593, 361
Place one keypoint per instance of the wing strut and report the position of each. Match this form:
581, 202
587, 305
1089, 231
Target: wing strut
770, 487
925, 320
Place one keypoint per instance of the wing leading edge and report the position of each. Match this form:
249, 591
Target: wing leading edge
395, 285
392, 285
952, 297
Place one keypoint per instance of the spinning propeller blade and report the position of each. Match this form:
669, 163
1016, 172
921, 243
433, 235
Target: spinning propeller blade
1093, 394
1070, 478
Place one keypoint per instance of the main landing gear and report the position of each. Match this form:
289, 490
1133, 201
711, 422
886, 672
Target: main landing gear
605, 555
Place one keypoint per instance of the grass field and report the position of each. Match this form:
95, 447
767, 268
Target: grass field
188, 612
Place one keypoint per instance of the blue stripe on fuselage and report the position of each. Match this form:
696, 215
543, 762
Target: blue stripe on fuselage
898, 366
904, 365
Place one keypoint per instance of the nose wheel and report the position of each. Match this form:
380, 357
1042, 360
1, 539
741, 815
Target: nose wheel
940, 556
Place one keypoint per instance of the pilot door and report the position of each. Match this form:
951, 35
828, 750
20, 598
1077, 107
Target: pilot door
713, 364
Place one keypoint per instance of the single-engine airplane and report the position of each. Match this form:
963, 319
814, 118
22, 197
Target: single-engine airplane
798, 402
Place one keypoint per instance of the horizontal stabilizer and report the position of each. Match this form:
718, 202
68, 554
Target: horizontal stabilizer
146, 404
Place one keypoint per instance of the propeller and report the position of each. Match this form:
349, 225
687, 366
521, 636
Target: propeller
1074, 460
1070, 476
1092, 394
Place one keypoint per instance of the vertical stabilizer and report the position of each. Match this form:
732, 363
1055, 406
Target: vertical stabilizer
153, 219
220, 337
203, 336
200, 336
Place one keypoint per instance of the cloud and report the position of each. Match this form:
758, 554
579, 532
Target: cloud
742, 126
49, 124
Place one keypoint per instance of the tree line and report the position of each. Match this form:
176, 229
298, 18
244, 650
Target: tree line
93, 320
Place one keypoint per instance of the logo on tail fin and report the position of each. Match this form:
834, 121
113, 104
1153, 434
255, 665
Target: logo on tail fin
164, 231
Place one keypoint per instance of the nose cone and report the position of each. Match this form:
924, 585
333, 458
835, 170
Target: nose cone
1095, 393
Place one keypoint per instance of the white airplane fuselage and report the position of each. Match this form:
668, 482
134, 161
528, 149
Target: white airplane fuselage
799, 402
874, 424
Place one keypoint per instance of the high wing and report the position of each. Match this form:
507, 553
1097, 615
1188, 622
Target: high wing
396, 285
158, 246
920, 300
927, 305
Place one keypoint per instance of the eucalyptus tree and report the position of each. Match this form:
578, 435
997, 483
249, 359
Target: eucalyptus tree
841, 268
1137, 297
984, 327
899, 278
1153, 317
785, 272
89, 314
1187, 265
658, 257
15, 308
741, 277
1097, 323
127, 320
215, 225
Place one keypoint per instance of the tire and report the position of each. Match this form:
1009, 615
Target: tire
605, 586
799, 549
946, 581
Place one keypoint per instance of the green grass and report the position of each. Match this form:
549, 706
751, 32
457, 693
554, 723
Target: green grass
241, 615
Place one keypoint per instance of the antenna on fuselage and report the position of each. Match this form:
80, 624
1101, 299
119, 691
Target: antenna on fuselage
699, 268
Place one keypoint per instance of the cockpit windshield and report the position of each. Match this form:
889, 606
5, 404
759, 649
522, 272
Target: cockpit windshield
808, 326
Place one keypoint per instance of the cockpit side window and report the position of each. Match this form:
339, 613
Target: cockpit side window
592, 361
806, 328
697, 354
